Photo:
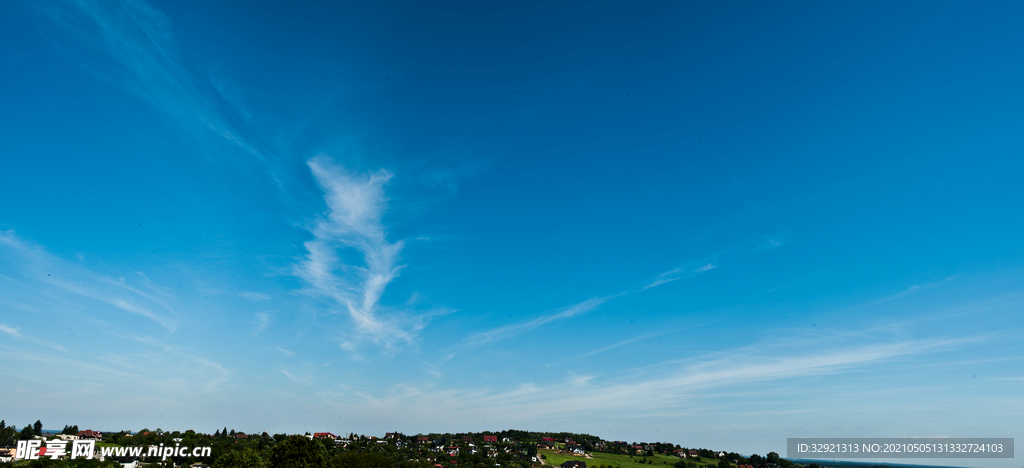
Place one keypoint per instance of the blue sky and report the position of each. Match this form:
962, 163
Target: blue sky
717, 224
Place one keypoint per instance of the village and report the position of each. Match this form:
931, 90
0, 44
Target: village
513, 449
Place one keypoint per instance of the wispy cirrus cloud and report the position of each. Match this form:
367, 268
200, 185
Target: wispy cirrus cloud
255, 296
619, 344
670, 387
144, 299
509, 331
677, 274
354, 222
262, 320
13, 331
139, 51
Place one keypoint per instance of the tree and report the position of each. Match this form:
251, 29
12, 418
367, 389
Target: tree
26, 433
723, 463
773, 457
360, 460
7, 433
298, 452
37, 428
245, 458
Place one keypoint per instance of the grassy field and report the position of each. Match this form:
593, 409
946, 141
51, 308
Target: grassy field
617, 461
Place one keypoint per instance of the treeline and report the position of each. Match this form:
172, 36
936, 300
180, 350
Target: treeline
9, 434
731, 460
232, 449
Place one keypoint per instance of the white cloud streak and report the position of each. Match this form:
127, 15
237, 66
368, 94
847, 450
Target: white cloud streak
262, 320
137, 38
664, 391
74, 278
677, 274
355, 208
621, 343
13, 331
520, 328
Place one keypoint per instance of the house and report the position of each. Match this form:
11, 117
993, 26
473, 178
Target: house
241, 435
467, 438
547, 439
324, 435
693, 454
574, 464
89, 434
576, 450
490, 438
423, 439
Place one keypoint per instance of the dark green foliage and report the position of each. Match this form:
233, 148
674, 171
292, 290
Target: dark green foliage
298, 452
76, 463
7, 434
245, 458
360, 460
